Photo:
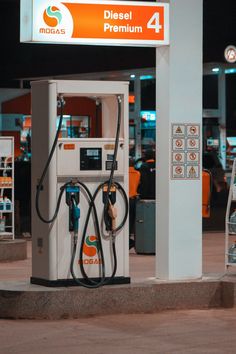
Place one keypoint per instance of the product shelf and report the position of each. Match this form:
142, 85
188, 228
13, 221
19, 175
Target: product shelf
5, 233
7, 222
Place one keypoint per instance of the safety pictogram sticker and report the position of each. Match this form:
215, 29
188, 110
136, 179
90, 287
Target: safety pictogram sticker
178, 157
193, 172
178, 171
192, 144
193, 157
178, 130
193, 130
178, 144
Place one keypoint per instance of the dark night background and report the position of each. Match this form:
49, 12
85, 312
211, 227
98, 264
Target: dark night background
30, 60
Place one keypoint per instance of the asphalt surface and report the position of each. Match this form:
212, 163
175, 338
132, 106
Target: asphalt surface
178, 332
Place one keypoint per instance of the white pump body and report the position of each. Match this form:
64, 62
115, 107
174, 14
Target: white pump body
52, 243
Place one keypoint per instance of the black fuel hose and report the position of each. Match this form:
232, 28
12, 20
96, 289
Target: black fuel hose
41, 180
103, 281
113, 166
90, 283
106, 216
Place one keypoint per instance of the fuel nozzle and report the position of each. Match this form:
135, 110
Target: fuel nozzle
110, 211
72, 200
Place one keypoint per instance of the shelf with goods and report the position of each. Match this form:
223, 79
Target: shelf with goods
7, 222
230, 160
230, 151
75, 127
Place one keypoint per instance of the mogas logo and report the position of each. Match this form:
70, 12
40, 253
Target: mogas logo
90, 249
52, 16
90, 246
54, 20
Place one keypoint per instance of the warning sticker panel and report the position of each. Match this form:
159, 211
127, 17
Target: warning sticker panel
185, 154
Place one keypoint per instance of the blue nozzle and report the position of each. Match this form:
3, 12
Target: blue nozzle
76, 216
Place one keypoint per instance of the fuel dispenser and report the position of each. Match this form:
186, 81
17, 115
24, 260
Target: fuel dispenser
79, 201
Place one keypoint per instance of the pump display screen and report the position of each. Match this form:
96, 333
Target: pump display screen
92, 152
90, 159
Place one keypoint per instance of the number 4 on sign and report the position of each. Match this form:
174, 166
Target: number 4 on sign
154, 22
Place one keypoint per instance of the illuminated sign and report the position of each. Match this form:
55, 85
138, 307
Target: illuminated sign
148, 115
230, 54
231, 140
95, 22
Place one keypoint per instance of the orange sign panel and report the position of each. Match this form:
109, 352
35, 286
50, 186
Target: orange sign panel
117, 21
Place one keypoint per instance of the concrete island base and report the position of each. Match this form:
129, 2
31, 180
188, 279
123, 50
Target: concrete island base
27, 301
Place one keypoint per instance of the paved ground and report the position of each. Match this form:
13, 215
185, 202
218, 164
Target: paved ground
141, 266
178, 332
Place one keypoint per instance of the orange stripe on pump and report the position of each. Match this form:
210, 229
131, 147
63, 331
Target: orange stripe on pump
69, 146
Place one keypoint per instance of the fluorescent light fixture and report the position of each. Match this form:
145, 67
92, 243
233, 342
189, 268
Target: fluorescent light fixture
146, 77
230, 71
132, 76
215, 70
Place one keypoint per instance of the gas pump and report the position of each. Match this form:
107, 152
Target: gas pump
79, 204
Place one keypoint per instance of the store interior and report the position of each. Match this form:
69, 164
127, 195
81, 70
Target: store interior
82, 117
